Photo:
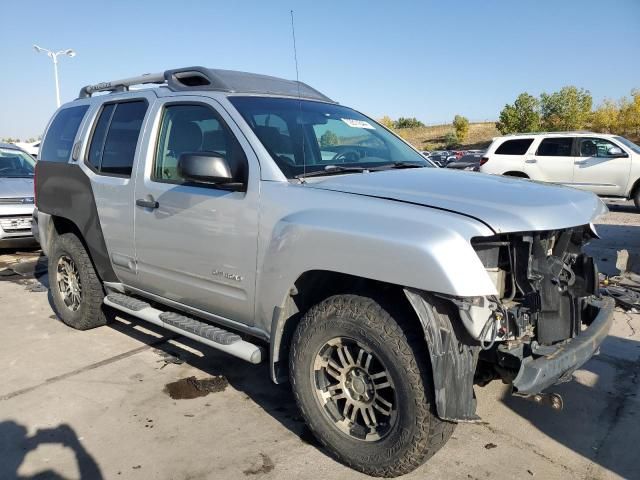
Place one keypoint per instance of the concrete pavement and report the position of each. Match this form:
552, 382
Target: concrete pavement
94, 405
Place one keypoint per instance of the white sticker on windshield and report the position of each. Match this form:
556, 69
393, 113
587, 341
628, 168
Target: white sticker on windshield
358, 123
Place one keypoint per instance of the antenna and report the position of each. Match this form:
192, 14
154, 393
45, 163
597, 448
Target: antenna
295, 58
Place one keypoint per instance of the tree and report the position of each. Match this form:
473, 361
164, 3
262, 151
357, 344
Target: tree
521, 117
606, 118
461, 126
386, 121
408, 123
328, 139
629, 116
451, 140
567, 109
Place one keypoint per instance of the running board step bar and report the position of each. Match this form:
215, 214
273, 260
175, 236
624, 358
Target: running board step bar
202, 332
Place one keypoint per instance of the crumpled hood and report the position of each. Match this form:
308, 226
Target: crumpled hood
16, 187
502, 203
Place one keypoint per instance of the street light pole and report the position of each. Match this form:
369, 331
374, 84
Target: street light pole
54, 57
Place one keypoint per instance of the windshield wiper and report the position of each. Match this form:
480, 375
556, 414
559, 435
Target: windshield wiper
397, 165
333, 170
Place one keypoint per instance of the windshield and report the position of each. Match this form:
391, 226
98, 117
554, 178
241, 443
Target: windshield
305, 137
15, 163
629, 144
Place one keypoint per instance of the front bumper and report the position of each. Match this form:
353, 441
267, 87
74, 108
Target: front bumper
537, 374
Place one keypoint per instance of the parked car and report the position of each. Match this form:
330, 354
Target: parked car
379, 286
16, 196
469, 162
31, 148
608, 165
439, 157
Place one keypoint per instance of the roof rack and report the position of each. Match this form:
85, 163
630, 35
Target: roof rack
200, 78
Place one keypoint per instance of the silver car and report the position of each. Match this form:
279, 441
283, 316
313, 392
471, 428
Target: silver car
16, 196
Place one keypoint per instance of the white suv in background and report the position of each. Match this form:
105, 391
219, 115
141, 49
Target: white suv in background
607, 165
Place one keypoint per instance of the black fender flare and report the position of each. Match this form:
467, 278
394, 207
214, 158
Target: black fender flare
453, 357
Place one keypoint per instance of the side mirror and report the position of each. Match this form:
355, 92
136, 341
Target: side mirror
616, 152
205, 167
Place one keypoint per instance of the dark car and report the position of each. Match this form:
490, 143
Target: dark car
467, 162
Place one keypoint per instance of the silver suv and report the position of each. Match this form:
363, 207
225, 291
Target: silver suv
261, 218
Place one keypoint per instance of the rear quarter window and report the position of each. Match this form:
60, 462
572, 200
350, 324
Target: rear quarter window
514, 147
58, 141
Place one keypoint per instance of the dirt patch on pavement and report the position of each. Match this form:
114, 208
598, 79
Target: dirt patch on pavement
266, 467
191, 387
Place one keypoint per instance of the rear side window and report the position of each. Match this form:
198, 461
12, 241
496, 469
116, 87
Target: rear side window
514, 147
58, 141
555, 147
115, 136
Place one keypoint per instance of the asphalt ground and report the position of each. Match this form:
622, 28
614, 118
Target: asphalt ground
120, 402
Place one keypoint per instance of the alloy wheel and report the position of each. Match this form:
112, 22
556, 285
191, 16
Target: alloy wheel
355, 389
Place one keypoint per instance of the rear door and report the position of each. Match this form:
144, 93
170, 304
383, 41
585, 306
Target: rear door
596, 170
552, 161
197, 246
113, 143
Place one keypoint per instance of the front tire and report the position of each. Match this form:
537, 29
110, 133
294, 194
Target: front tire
75, 287
362, 380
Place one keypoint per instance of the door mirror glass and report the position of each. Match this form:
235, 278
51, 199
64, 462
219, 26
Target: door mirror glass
615, 152
204, 167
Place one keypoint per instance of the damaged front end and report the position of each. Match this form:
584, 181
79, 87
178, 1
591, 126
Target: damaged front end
547, 319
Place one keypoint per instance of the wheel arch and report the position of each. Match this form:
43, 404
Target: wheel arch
635, 189
515, 173
94, 245
453, 355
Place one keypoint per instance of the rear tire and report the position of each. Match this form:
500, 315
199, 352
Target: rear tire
636, 197
411, 433
75, 287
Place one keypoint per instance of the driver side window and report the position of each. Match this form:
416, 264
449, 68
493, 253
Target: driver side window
596, 147
189, 129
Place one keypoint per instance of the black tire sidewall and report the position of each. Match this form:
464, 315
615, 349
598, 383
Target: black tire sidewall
405, 432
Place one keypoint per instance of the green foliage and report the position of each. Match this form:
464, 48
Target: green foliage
328, 139
407, 123
567, 109
386, 121
451, 140
521, 117
461, 126
10, 140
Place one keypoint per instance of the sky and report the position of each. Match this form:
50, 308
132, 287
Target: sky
428, 59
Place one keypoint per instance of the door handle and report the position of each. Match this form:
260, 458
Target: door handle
147, 203
580, 162
531, 160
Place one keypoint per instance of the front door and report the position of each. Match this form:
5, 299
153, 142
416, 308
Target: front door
552, 161
196, 244
598, 170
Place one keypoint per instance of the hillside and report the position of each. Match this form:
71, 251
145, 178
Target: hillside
433, 137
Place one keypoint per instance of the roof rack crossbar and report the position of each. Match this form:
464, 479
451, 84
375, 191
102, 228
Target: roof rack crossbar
122, 85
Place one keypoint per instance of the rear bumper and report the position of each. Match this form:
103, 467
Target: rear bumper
538, 374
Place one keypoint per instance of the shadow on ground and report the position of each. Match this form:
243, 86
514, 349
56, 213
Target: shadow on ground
252, 380
16, 444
